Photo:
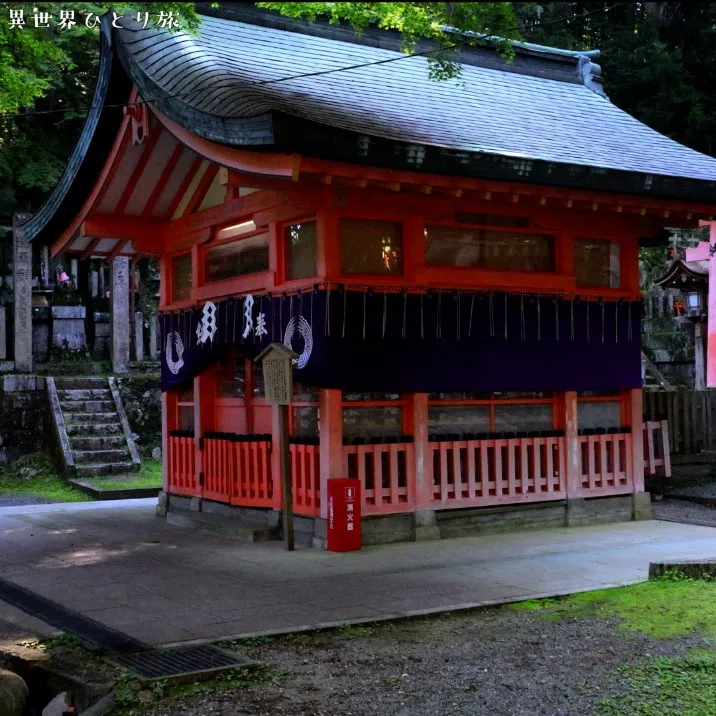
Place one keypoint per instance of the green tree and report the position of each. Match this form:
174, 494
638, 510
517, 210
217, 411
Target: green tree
47, 77
435, 21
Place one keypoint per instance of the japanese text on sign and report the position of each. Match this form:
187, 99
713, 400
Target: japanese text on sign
68, 19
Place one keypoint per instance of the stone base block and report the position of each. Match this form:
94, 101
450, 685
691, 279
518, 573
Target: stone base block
598, 510
641, 503
490, 520
426, 526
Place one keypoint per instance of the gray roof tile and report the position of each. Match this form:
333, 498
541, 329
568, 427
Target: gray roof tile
491, 111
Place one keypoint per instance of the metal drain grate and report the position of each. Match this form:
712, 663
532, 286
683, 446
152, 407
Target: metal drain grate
180, 661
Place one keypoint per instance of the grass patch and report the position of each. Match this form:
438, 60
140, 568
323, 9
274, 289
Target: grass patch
134, 697
150, 475
45, 483
663, 608
663, 685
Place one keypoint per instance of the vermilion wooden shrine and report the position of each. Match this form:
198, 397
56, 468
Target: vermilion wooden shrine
456, 264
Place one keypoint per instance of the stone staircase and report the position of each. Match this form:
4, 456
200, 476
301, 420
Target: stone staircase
91, 427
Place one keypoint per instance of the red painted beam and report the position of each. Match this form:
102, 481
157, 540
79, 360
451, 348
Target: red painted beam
67, 235
138, 170
163, 179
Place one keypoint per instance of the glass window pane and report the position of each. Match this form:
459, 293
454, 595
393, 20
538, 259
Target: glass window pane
375, 422
231, 381
363, 397
181, 277
522, 418
485, 248
459, 396
371, 247
237, 258
597, 263
599, 414
185, 395
300, 245
304, 394
450, 419
305, 422
186, 417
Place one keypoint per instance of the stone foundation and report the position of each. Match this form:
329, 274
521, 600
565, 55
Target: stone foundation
441, 524
22, 415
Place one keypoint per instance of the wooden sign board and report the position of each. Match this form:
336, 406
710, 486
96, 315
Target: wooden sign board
277, 361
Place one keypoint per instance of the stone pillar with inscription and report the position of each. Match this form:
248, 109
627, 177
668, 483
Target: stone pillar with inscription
119, 345
22, 295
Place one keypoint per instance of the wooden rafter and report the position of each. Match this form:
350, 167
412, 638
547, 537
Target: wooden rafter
138, 170
193, 169
163, 179
90, 249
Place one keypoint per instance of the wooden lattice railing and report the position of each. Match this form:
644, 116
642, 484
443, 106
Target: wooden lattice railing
181, 465
499, 471
387, 474
606, 464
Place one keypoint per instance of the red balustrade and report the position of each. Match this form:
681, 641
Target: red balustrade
253, 484
387, 474
606, 464
475, 473
305, 470
181, 466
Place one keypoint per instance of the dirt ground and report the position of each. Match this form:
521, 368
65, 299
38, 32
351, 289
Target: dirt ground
492, 661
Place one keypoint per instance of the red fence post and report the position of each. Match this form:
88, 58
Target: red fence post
331, 449
425, 522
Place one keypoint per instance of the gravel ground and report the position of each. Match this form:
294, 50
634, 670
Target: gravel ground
683, 511
13, 501
491, 661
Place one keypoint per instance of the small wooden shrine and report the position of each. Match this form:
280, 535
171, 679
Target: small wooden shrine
455, 265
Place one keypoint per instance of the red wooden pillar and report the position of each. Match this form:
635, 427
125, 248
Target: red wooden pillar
711, 336
204, 408
425, 522
573, 476
165, 442
637, 439
330, 430
423, 458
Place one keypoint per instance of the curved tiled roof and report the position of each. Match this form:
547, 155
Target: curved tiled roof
228, 74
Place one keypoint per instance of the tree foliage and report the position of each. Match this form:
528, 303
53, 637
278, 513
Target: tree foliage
435, 21
658, 62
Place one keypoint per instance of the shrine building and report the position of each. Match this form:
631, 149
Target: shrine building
455, 263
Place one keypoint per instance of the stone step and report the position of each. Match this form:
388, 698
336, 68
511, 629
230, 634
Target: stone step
110, 455
101, 429
71, 418
97, 469
100, 442
84, 394
87, 406
219, 525
80, 383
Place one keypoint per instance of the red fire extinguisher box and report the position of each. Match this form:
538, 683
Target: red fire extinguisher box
344, 532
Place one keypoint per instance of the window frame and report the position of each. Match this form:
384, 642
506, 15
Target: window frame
249, 402
281, 257
492, 402
561, 278
529, 230
213, 286
405, 239
590, 236
181, 303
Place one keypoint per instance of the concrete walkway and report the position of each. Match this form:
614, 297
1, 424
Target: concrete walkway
122, 566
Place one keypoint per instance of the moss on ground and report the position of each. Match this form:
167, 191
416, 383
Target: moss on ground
150, 475
667, 608
46, 484
663, 608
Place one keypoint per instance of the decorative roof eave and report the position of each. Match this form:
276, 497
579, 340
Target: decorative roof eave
683, 273
85, 164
